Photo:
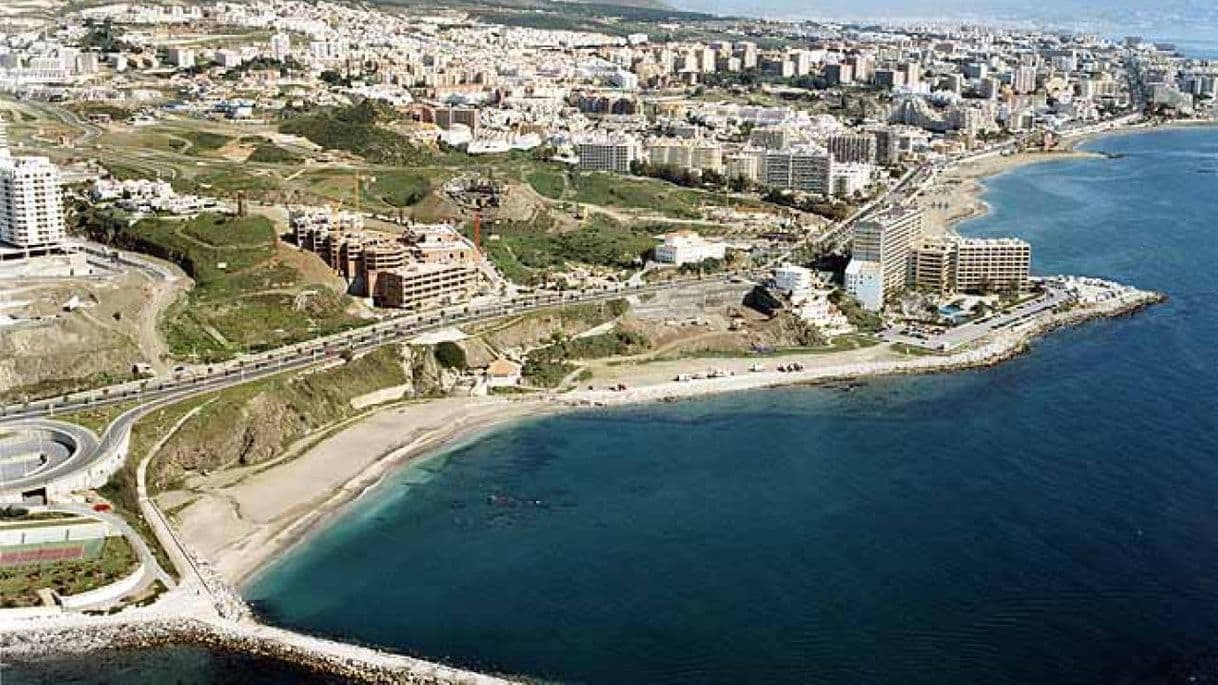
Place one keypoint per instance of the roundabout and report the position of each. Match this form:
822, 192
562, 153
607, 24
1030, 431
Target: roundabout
35, 453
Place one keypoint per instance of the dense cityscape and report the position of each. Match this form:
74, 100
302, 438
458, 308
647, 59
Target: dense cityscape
235, 237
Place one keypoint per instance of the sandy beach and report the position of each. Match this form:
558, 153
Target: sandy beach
956, 194
244, 519
241, 520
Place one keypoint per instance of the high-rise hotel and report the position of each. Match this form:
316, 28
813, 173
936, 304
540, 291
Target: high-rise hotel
953, 264
879, 258
31, 204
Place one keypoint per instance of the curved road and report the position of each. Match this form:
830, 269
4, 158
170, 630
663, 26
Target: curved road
87, 451
155, 393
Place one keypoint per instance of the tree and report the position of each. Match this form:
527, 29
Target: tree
451, 356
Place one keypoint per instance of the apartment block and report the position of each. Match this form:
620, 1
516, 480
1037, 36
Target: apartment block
31, 202
853, 147
608, 153
687, 247
882, 245
419, 284
696, 154
953, 264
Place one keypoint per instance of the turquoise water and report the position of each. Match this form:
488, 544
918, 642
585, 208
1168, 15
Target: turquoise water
1052, 520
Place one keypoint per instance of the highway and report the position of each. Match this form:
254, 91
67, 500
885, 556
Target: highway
149, 394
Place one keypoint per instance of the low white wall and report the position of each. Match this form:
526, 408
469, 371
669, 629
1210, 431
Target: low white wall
106, 594
71, 531
97, 475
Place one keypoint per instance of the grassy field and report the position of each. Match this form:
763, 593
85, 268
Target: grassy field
268, 153
358, 130
245, 298
226, 182
231, 233
398, 188
19, 585
659, 196
522, 250
547, 183
115, 112
612, 190
205, 141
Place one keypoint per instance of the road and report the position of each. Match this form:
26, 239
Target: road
87, 451
154, 393
138, 544
22, 455
965, 334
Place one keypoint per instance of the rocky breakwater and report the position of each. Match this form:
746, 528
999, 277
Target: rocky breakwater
319, 655
1094, 299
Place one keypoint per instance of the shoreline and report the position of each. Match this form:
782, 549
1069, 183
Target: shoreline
245, 563
164, 626
244, 558
242, 527
303, 530
245, 552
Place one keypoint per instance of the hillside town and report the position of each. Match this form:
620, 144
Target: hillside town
813, 121
230, 231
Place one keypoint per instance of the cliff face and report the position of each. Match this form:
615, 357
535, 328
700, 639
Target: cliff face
256, 423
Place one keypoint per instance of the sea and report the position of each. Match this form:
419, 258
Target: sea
1050, 520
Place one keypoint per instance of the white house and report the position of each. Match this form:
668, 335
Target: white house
687, 247
502, 373
865, 282
793, 281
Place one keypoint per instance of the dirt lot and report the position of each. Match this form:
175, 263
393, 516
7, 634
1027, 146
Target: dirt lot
112, 329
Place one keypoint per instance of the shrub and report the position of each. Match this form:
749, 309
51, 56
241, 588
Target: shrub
451, 356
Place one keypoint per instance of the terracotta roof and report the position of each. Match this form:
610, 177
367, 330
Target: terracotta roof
503, 367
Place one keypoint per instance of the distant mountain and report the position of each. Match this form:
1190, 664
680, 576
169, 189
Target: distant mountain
556, 5
1163, 17
647, 4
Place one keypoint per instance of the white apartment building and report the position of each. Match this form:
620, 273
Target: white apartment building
608, 153
849, 178
228, 58
281, 46
993, 264
694, 154
954, 264
31, 204
882, 247
793, 281
865, 283
852, 147
182, 58
1023, 80
687, 247
799, 168
744, 164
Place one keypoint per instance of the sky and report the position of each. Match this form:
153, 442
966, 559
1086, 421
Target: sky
1161, 19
